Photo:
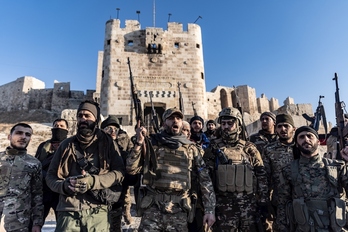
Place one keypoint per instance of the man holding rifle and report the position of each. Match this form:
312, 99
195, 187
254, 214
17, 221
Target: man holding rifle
168, 163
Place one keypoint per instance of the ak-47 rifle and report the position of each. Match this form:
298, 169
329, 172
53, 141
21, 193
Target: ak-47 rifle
318, 116
150, 162
181, 100
244, 134
194, 109
136, 100
341, 125
154, 119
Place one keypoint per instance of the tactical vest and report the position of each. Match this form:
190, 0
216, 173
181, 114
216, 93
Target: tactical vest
174, 168
238, 174
318, 214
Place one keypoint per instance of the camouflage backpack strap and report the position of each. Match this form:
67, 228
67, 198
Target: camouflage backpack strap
295, 177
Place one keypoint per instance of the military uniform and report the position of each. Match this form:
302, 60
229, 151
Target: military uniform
20, 190
309, 195
167, 202
237, 183
261, 139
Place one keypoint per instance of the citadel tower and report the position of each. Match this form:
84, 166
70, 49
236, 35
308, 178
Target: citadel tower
159, 59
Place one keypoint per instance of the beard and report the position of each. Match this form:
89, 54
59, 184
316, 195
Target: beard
171, 131
86, 131
308, 151
19, 148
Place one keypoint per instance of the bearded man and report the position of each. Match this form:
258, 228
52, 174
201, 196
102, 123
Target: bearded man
239, 176
311, 191
84, 170
169, 163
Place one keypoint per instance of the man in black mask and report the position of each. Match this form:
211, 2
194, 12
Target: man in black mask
85, 170
45, 153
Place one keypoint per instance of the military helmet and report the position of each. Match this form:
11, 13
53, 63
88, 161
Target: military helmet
230, 112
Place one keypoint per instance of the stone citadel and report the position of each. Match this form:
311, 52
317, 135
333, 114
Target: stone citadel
159, 60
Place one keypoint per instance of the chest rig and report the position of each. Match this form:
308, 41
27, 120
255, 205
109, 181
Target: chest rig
175, 166
237, 176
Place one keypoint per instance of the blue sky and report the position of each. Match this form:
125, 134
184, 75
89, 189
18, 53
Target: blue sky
279, 47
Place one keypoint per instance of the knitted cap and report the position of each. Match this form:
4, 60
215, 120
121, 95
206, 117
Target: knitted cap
196, 118
269, 114
92, 107
111, 120
281, 118
305, 128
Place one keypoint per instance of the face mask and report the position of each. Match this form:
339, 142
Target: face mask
59, 134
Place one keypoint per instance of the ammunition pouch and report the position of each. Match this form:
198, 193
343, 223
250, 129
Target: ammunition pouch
338, 214
167, 203
318, 214
235, 178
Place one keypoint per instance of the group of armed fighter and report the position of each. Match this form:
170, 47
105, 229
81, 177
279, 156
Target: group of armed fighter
184, 179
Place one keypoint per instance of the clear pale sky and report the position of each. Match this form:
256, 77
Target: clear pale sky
279, 47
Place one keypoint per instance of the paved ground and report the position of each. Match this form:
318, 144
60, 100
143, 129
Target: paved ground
50, 223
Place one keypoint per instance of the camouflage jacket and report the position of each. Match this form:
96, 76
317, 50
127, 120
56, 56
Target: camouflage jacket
20, 189
261, 139
313, 182
253, 158
275, 156
124, 142
135, 164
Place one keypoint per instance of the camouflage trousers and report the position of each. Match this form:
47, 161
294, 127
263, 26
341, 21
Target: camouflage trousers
235, 212
154, 220
90, 220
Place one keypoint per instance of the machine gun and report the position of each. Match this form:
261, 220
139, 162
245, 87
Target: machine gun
340, 122
318, 116
136, 100
181, 100
154, 119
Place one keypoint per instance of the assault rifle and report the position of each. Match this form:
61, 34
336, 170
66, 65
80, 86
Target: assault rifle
150, 162
181, 100
154, 119
194, 109
318, 116
136, 100
341, 125
244, 134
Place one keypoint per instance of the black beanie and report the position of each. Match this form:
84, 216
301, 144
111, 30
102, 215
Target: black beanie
196, 118
305, 128
211, 121
280, 118
111, 120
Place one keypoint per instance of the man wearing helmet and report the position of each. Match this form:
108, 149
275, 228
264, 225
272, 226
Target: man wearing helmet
238, 174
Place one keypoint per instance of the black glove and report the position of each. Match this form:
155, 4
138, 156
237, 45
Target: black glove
66, 188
